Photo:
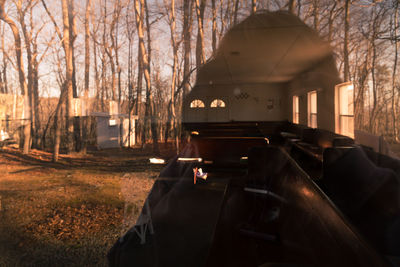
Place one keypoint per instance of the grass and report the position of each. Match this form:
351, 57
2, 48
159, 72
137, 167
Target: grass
72, 212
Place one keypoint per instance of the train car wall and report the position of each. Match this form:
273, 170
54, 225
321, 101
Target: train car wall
244, 102
322, 77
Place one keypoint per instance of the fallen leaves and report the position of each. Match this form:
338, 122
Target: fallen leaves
66, 223
80, 206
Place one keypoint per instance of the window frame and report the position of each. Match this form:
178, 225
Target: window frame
310, 113
296, 109
339, 114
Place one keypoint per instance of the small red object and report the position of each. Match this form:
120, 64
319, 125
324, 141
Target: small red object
195, 175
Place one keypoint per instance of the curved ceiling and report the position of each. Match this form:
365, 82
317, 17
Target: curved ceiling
267, 47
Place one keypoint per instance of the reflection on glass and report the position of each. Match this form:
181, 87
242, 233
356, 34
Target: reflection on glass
217, 103
346, 109
312, 109
197, 103
296, 112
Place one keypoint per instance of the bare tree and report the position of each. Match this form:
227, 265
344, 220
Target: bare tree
214, 26
144, 61
68, 83
186, 32
31, 47
67, 9
331, 19
21, 74
346, 40
171, 121
87, 75
3, 74
396, 49
200, 57
235, 12
132, 102
110, 49
316, 14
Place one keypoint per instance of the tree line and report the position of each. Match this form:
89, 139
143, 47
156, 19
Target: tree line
145, 54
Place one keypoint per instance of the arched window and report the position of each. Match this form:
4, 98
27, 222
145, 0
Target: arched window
217, 103
197, 103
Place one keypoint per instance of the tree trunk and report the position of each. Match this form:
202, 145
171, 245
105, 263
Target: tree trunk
35, 88
2, 90
130, 89
140, 125
330, 22
235, 12
200, 57
140, 11
4, 72
171, 121
374, 89
396, 137
253, 6
96, 71
149, 93
187, 30
291, 6
316, 15
21, 74
346, 72
57, 135
28, 40
69, 74
85, 131
72, 37
214, 27
57, 121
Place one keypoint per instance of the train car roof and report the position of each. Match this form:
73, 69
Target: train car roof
267, 47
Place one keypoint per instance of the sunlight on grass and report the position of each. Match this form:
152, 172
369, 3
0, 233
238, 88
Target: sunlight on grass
69, 215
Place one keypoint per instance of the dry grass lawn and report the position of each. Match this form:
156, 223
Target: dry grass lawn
72, 212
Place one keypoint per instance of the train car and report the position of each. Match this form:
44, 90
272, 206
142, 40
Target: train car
271, 175
260, 65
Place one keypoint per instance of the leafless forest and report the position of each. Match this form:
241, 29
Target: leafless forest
143, 55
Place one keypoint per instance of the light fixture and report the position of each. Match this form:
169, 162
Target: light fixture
190, 159
156, 161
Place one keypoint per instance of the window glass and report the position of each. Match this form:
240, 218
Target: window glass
345, 115
197, 103
312, 109
296, 112
217, 103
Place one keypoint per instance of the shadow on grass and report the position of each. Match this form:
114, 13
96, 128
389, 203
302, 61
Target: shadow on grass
19, 249
22, 245
128, 161
77, 231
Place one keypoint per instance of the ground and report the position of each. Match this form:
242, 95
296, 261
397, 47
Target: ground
72, 212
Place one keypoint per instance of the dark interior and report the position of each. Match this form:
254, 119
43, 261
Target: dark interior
275, 195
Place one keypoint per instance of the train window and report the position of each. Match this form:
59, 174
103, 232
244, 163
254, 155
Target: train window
197, 103
312, 109
217, 103
296, 113
344, 109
